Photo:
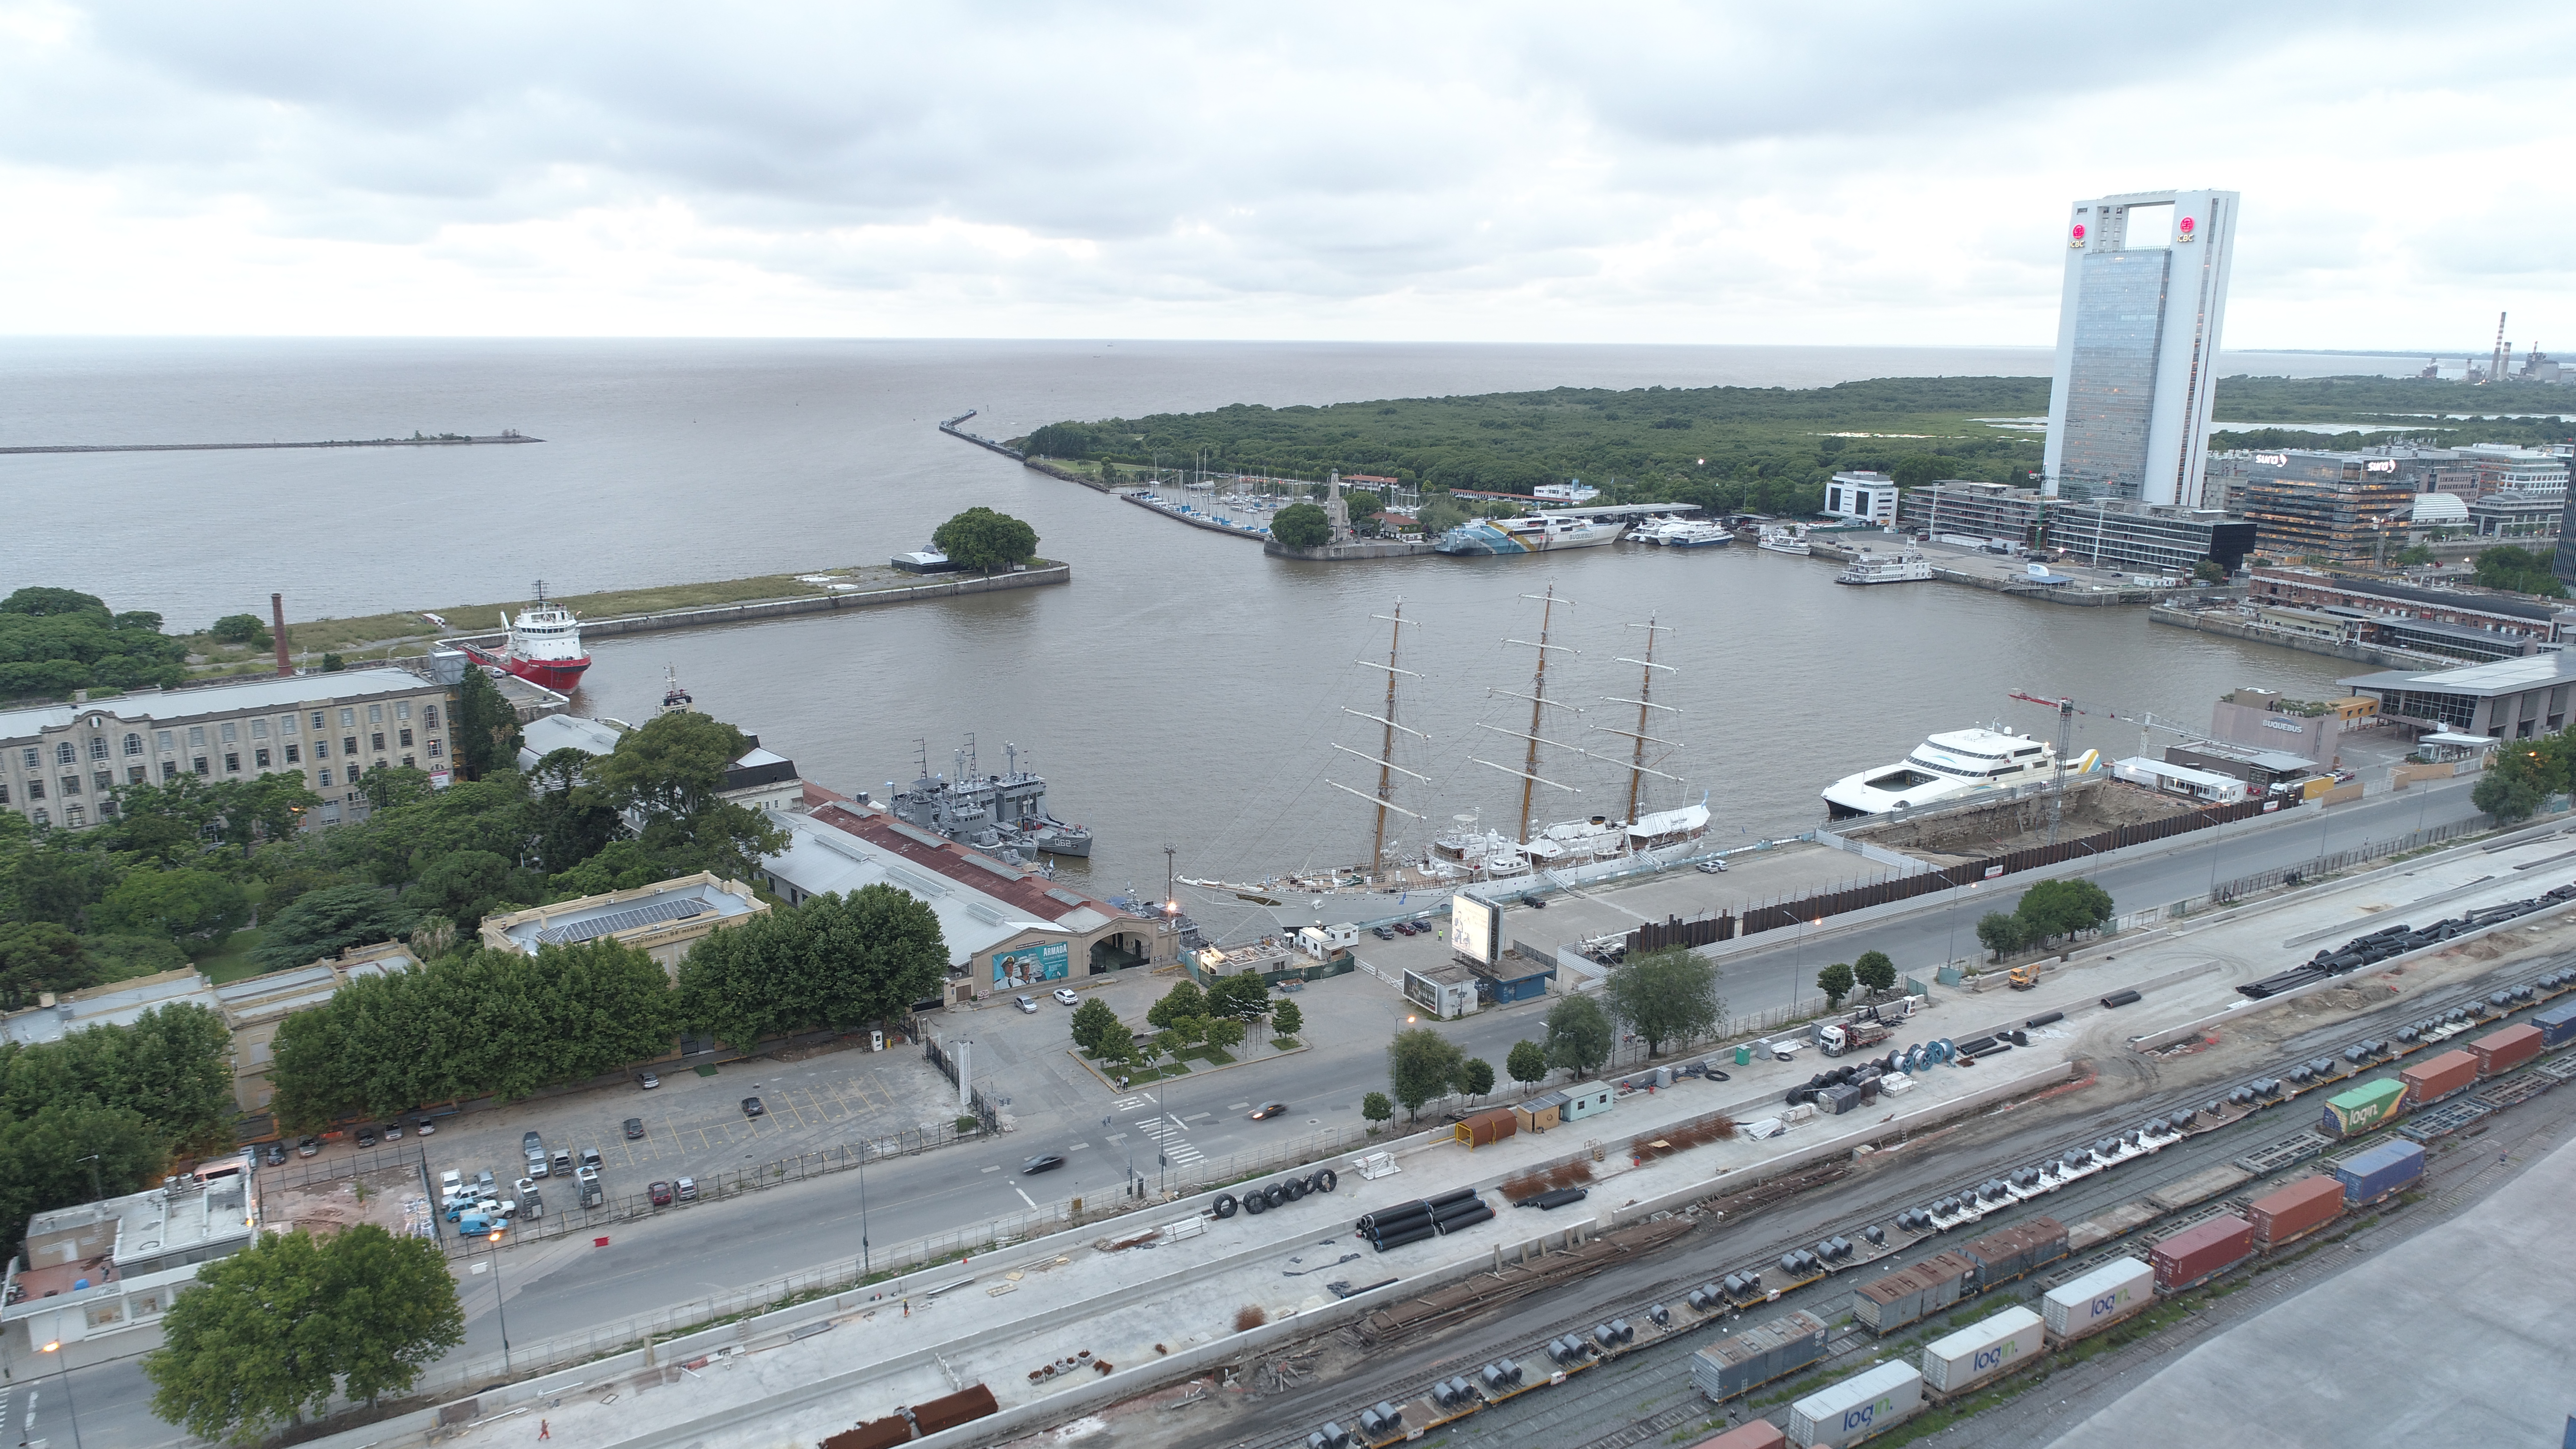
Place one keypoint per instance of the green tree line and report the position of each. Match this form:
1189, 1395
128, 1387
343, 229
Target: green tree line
128, 1097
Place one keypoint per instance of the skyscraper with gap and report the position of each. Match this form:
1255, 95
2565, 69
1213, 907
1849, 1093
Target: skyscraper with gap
2137, 344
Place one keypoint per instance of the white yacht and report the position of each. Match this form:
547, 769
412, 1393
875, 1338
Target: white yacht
1693, 533
1784, 538
1905, 566
1945, 767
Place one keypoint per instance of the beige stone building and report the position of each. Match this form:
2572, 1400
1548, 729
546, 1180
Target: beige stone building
61, 763
662, 919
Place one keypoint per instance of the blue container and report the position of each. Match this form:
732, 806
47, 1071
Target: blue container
2557, 1025
2369, 1176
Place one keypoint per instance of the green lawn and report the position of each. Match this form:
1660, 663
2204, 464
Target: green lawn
234, 961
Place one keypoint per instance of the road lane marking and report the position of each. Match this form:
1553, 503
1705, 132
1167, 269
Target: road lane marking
1024, 1197
1115, 1138
1198, 1117
1077, 1147
996, 1167
1240, 1107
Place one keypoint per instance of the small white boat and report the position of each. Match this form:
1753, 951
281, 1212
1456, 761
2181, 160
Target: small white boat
1905, 566
1784, 538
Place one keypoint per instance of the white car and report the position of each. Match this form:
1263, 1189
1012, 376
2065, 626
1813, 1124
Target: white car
1065, 995
1026, 1005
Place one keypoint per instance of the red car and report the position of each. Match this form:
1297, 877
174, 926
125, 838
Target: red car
661, 1194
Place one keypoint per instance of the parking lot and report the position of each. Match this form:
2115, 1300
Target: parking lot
693, 1123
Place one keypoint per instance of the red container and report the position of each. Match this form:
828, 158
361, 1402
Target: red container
2502, 1051
2438, 1078
2302, 1207
963, 1407
1760, 1434
2203, 1252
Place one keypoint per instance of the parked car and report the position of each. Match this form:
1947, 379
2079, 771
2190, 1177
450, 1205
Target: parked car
660, 1193
307, 1146
1383, 933
423, 1127
590, 1158
588, 1184
537, 1163
1025, 1004
561, 1161
1534, 901
532, 1204
634, 1128
1712, 867
1065, 995
687, 1188
484, 1183
1406, 928
277, 1154
366, 1137
451, 1185
751, 1106
1043, 1162
532, 1142
393, 1130
647, 1081
1268, 1110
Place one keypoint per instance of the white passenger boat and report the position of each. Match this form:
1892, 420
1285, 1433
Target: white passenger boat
1693, 533
1944, 767
1905, 566
1784, 538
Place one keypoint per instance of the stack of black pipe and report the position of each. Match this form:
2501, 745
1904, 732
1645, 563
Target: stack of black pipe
1393, 1227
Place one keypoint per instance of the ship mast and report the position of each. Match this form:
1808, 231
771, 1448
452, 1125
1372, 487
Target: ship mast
1387, 769
1539, 703
1645, 702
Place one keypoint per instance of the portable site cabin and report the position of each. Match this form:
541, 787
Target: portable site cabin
1541, 1112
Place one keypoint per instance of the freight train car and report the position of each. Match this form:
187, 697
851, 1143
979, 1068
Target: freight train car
1980, 1352
2282, 1218
2373, 1176
1743, 1362
2195, 1255
1858, 1408
2097, 1300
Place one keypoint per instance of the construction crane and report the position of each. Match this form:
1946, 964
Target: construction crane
2067, 710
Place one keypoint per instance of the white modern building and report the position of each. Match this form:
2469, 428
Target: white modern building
2137, 344
1863, 498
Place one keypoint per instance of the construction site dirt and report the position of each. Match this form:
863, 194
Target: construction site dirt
1954, 836
1275, 1398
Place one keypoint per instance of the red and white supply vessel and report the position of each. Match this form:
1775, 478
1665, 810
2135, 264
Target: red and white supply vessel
542, 647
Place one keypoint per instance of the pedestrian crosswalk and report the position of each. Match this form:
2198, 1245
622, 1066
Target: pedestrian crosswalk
1171, 1136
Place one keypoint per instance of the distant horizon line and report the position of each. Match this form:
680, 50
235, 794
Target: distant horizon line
7, 338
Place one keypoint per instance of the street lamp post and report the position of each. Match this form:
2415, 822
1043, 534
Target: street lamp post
500, 1307
63, 1371
866, 1269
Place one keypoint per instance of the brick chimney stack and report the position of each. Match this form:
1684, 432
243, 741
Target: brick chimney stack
277, 611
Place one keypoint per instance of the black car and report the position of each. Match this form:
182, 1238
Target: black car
1268, 1110
277, 1154
751, 1107
1534, 901
634, 1128
366, 1137
1044, 1162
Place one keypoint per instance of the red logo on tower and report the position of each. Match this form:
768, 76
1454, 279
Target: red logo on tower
2075, 238
2185, 229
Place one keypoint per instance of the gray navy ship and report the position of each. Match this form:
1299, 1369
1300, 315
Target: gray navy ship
990, 812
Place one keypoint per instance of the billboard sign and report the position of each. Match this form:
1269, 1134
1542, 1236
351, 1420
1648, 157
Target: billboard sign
1050, 962
1472, 927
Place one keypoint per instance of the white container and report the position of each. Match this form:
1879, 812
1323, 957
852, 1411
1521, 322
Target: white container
2098, 1299
1895, 1084
1857, 1408
1980, 1351
1799, 1113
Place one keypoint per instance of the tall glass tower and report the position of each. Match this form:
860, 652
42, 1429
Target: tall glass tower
2137, 344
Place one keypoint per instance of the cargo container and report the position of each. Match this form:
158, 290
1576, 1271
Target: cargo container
2557, 1025
1760, 1434
1834, 1101
1748, 1360
2097, 1300
2284, 1217
2374, 1104
2431, 1081
1911, 1294
2368, 1177
1979, 1352
1486, 1128
2196, 1255
1858, 1408
2002, 1257
2499, 1052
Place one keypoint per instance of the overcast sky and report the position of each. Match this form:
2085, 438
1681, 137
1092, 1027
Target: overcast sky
1757, 173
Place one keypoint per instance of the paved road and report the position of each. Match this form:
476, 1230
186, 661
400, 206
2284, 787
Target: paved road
556, 1289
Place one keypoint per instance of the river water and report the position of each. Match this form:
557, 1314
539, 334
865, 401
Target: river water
1184, 690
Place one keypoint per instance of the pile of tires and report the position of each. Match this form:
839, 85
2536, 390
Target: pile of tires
1258, 1200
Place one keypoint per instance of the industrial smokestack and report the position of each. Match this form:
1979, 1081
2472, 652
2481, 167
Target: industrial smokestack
277, 612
